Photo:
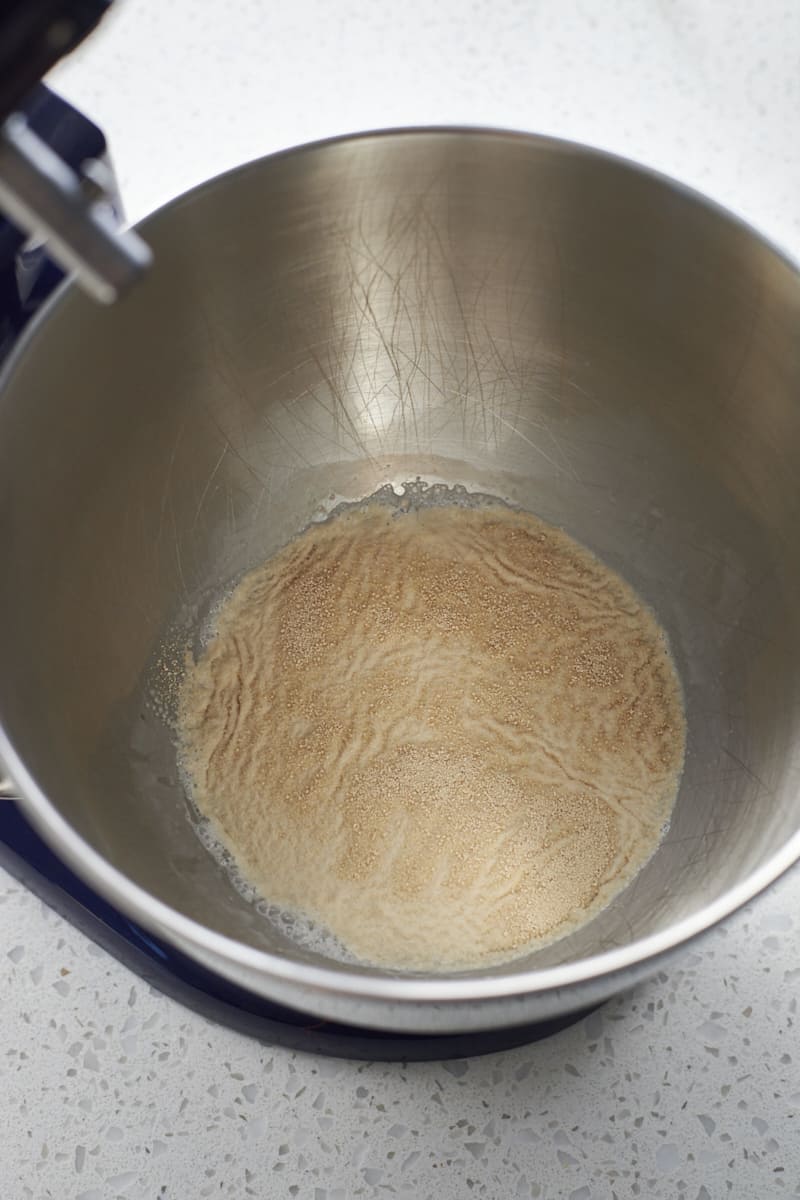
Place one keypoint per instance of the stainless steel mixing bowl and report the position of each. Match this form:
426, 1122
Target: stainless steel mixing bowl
522, 316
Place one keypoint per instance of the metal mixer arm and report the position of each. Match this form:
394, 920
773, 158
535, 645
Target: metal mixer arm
40, 193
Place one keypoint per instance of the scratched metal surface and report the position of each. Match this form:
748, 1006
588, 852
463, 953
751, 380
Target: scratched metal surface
367, 312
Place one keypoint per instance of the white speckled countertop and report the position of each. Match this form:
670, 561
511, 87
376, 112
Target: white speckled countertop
688, 1088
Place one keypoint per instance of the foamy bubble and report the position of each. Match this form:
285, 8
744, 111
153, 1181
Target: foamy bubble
292, 924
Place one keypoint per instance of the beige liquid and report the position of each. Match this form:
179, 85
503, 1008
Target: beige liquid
448, 734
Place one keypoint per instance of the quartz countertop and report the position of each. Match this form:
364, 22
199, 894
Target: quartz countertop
687, 1088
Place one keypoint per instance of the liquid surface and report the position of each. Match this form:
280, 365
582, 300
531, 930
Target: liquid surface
448, 734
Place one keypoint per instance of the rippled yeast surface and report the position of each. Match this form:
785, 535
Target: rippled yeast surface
445, 735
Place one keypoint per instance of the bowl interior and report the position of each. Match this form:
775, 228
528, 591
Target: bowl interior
522, 317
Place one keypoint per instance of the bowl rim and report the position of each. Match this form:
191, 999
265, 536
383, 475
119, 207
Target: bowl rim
363, 982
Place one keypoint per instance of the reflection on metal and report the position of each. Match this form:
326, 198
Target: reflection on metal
7, 789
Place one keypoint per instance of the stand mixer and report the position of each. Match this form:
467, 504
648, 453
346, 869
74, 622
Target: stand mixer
523, 315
